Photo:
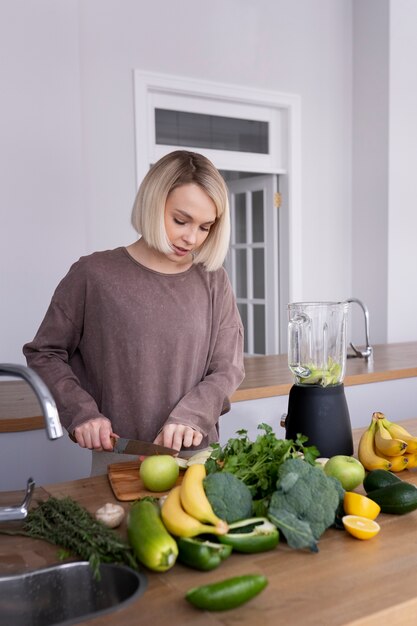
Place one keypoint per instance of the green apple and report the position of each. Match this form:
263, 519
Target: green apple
347, 469
159, 472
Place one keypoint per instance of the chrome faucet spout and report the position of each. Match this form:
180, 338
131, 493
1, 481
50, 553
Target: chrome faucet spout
20, 511
49, 410
364, 354
52, 424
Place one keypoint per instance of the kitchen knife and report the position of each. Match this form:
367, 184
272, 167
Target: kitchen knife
145, 448
133, 446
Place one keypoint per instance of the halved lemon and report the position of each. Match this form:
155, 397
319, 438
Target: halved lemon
356, 504
360, 527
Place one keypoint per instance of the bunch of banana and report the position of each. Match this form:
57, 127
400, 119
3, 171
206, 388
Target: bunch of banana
387, 445
187, 512
396, 430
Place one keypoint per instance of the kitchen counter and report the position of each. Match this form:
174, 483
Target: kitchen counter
348, 582
266, 376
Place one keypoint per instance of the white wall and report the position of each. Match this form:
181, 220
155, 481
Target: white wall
370, 164
67, 116
402, 231
384, 253
32, 455
42, 209
67, 154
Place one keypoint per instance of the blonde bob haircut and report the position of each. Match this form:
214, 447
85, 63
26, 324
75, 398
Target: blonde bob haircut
174, 170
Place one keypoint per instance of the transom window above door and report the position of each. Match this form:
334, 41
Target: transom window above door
231, 134
216, 132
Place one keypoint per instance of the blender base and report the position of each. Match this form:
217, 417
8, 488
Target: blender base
322, 415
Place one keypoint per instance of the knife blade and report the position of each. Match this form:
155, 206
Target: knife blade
145, 448
136, 447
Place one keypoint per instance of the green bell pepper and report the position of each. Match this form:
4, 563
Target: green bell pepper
256, 534
201, 554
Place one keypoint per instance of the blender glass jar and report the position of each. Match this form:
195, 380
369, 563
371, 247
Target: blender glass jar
317, 342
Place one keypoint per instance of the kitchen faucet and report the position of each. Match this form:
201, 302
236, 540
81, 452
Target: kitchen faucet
364, 354
52, 424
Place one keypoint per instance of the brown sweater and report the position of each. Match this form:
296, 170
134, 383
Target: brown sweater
140, 347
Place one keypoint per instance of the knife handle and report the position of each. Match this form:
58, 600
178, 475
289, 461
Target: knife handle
112, 437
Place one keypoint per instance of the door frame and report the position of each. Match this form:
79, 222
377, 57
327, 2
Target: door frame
148, 86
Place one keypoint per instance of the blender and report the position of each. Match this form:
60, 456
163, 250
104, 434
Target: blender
317, 406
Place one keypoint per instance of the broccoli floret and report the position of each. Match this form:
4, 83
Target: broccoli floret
229, 497
304, 504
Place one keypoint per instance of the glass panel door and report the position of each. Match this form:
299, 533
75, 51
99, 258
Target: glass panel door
252, 262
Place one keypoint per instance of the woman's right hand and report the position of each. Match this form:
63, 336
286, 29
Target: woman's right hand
95, 434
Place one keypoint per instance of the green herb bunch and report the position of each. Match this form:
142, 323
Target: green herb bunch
67, 524
257, 462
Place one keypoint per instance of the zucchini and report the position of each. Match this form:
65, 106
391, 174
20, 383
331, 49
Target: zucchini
376, 479
153, 546
397, 499
227, 594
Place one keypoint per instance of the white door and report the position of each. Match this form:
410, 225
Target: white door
252, 261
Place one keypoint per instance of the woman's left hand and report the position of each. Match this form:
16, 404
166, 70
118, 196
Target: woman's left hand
178, 436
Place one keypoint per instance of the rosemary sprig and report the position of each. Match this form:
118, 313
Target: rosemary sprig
65, 523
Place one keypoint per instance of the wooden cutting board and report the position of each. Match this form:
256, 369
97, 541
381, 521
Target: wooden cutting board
126, 483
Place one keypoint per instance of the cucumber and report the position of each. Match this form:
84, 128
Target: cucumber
397, 499
150, 541
376, 479
228, 593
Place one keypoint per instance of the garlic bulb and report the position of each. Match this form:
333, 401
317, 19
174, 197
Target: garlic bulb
110, 515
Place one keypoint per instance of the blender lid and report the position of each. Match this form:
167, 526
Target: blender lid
324, 303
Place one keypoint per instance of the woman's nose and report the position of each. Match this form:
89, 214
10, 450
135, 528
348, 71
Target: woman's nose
190, 235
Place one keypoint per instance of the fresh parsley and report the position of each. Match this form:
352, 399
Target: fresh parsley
257, 462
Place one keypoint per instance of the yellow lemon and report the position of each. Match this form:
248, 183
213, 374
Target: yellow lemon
356, 504
360, 527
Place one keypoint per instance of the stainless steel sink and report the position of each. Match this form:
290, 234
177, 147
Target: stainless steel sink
67, 593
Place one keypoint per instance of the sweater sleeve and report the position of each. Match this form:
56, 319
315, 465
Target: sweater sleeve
202, 406
55, 345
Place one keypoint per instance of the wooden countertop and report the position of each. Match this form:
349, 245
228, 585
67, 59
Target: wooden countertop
266, 376
348, 582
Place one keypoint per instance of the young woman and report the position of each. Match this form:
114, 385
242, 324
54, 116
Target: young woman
145, 341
